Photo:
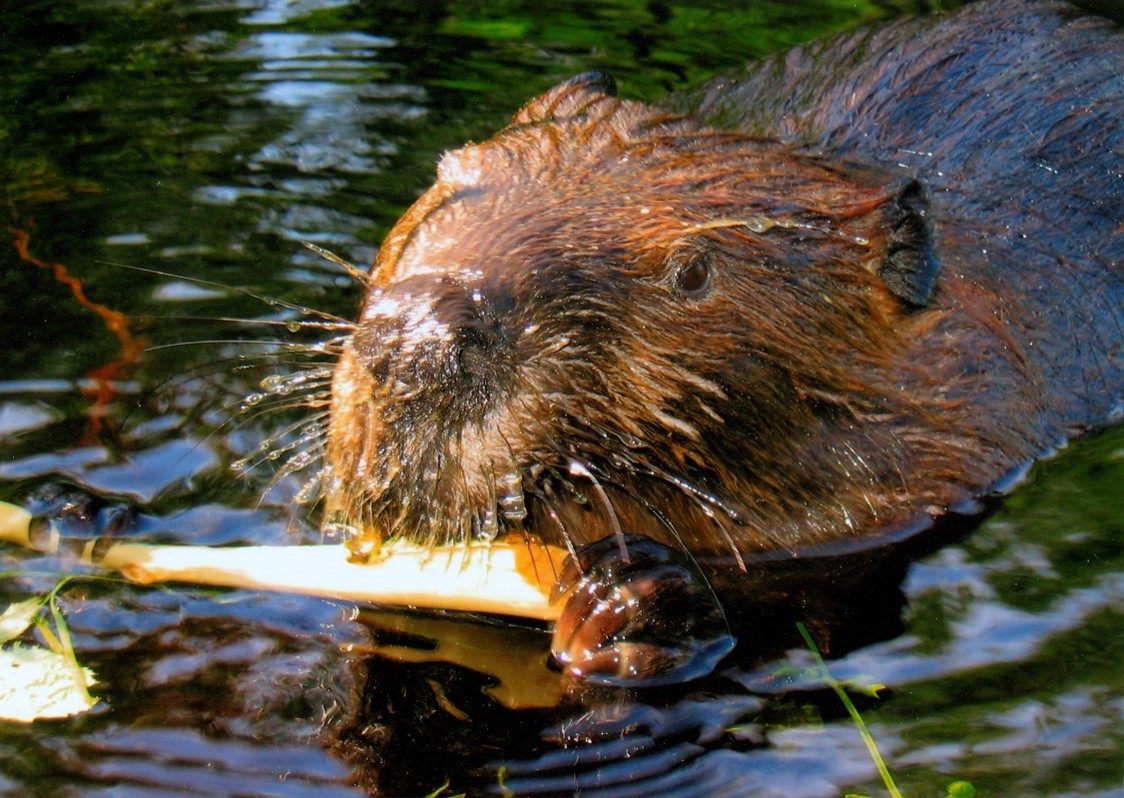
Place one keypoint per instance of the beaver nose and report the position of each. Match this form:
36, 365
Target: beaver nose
469, 314
427, 333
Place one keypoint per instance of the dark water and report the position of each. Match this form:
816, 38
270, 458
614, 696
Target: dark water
208, 139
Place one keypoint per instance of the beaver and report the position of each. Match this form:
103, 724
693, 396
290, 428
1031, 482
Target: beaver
808, 306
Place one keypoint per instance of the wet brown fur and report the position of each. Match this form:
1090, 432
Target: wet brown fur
525, 346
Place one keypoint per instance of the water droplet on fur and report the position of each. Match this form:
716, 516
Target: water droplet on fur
293, 326
489, 525
310, 491
512, 503
252, 399
299, 461
337, 531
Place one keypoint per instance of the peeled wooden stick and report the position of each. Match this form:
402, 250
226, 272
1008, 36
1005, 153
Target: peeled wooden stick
513, 577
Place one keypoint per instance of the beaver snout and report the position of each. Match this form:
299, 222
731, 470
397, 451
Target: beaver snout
428, 335
421, 406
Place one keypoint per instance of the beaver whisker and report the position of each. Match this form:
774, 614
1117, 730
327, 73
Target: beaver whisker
547, 503
354, 272
580, 469
709, 502
258, 405
306, 385
312, 490
648, 505
281, 345
311, 393
263, 298
686, 486
296, 463
630, 461
299, 382
310, 429
306, 358
242, 362
513, 506
249, 322
451, 519
309, 442
727, 535
653, 509
283, 406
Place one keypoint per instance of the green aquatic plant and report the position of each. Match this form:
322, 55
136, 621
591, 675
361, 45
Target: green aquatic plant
960, 789
440, 792
40, 682
501, 777
837, 688
957, 789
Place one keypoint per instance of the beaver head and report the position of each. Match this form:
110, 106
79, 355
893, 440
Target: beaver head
608, 318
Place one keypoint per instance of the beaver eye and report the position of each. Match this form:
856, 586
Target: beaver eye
693, 277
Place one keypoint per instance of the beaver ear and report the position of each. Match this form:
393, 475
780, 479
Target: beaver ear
910, 266
572, 98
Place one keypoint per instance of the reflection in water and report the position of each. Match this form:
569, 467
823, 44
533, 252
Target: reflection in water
635, 749
331, 95
334, 91
278, 12
207, 139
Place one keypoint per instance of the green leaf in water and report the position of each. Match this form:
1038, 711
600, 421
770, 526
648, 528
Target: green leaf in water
18, 617
37, 683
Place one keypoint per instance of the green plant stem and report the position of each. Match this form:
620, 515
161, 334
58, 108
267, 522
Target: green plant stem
853, 711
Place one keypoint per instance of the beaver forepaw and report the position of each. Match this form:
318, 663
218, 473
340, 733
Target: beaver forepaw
638, 615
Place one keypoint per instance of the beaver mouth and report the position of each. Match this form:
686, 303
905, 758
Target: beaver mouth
399, 471
404, 462
557, 499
